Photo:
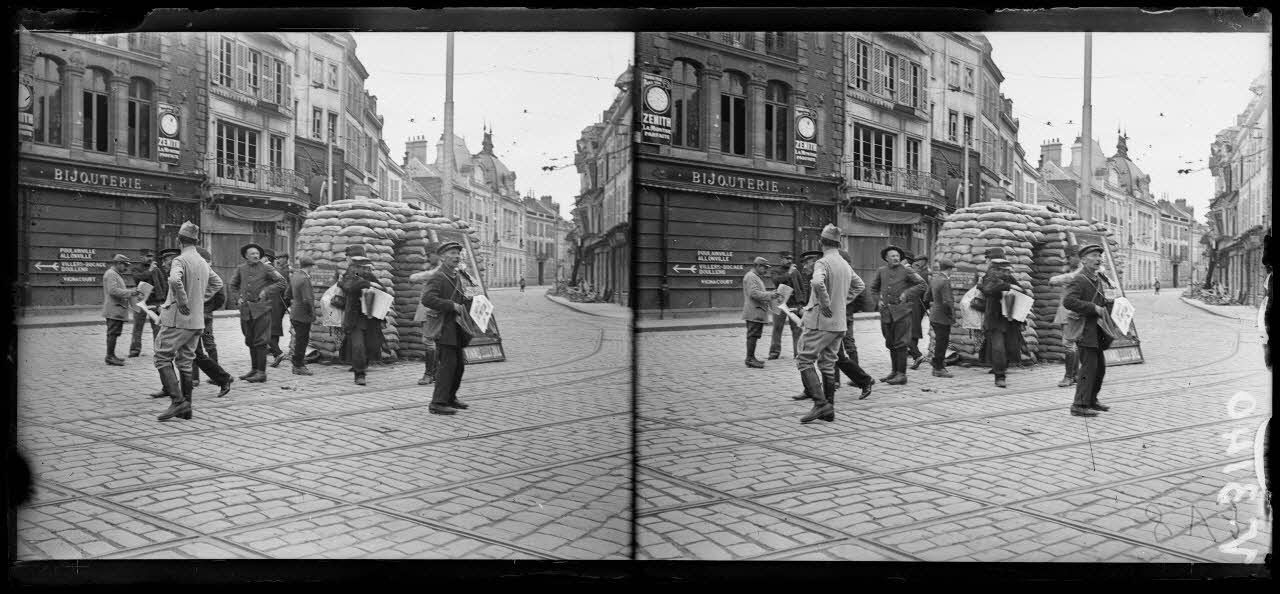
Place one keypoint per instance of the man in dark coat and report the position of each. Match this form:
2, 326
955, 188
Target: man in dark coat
251, 284
942, 314
892, 290
1086, 297
756, 303
363, 333
1003, 336
444, 294
301, 313
280, 299
919, 308
116, 297
147, 271
786, 273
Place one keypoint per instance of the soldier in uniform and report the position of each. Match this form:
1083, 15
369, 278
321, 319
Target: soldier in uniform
115, 304
786, 273
147, 271
919, 309
301, 313
823, 326
251, 284
756, 302
892, 290
182, 323
942, 314
444, 294
1086, 296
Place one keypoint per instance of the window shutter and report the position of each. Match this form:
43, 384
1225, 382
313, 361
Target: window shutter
214, 60
242, 67
904, 83
267, 80
877, 70
287, 84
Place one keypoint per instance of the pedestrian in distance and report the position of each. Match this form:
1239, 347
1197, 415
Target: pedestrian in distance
1003, 337
363, 339
823, 326
302, 313
788, 274
756, 303
1086, 296
1156, 286
522, 284
115, 304
1070, 374
182, 323
445, 294
431, 319
144, 271
892, 290
942, 313
251, 284
919, 309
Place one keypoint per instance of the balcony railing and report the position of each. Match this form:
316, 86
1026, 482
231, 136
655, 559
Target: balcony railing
250, 176
896, 180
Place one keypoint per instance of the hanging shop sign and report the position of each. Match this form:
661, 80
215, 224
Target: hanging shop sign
169, 143
26, 119
806, 148
655, 112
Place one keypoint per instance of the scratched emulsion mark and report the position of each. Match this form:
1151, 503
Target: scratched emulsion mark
1241, 405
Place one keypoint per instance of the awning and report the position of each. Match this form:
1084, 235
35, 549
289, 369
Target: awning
249, 213
892, 217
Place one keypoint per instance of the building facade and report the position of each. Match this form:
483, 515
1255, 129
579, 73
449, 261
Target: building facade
602, 210
740, 141
320, 123
1176, 241
954, 62
111, 155
542, 247
1241, 209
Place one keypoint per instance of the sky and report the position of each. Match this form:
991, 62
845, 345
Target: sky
1170, 92
537, 91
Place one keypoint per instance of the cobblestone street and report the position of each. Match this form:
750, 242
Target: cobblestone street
318, 467
956, 469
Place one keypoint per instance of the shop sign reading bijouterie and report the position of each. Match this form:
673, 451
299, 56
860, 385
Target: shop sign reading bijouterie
655, 113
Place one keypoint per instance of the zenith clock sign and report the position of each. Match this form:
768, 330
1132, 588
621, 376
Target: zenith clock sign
26, 119
655, 112
806, 137
169, 143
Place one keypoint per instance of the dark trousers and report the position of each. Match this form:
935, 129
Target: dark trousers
357, 345
301, 336
452, 363
1002, 345
847, 359
256, 331
140, 321
114, 329
754, 331
941, 336
1093, 367
781, 321
207, 355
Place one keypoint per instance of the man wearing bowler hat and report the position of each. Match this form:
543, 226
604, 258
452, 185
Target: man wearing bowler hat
1086, 296
824, 324
251, 284
756, 302
786, 273
115, 304
893, 289
444, 294
182, 323
1003, 336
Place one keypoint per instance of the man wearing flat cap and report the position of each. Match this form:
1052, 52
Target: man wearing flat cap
756, 302
893, 289
115, 304
1063, 280
302, 312
1003, 337
182, 323
363, 333
942, 313
1086, 296
824, 324
251, 284
788, 274
444, 293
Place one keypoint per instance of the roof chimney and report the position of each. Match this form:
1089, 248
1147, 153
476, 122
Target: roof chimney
416, 148
1051, 151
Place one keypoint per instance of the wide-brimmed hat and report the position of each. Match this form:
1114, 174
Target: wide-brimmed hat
121, 258
448, 245
830, 233
815, 254
166, 252
189, 230
245, 248
1090, 248
884, 253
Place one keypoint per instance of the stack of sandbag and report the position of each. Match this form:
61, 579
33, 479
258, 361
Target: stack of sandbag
1034, 240
393, 236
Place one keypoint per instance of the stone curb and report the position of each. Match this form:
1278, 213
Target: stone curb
1206, 308
570, 305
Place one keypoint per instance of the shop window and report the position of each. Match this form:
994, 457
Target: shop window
776, 100
685, 103
140, 92
96, 132
733, 114
237, 153
47, 101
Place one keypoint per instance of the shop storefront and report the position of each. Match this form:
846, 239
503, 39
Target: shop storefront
698, 227
74, 217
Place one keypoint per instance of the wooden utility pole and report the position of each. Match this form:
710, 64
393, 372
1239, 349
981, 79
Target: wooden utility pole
1086, 136
446, 176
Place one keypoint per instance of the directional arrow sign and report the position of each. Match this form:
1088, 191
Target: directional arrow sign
692, 269
43, 266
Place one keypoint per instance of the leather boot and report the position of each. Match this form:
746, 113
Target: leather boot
1069, 374
259, 374
752, 361
187, 383
829, 387
172, 385
813, 385
429, 372
899, 376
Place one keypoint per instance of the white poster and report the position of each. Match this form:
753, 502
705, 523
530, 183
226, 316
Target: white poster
481, 310
1122, 314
